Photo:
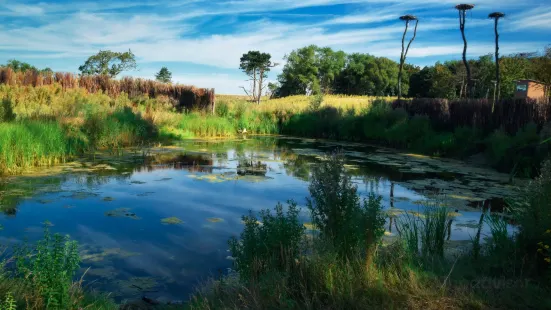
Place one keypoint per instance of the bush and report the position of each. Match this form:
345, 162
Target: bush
315, 102
222, 109
49, 268
336, 210
271, 244
6, 111
533, 216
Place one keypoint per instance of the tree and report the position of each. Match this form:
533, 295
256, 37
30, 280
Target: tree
109, 63
407, 19
300, 72
19, 66
365, 74
541, 68
164, 76
311, 70
331, 64
256, 65
496, 16
272, 91
463, 8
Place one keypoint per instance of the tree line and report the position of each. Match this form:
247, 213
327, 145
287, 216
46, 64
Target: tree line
321, 70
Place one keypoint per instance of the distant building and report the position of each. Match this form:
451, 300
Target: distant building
530, 89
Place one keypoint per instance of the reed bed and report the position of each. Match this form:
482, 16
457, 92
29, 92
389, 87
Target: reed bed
183, 96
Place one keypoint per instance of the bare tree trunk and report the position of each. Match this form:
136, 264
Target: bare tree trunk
260, 82
402, 60
254, 85
462, 17
498, 78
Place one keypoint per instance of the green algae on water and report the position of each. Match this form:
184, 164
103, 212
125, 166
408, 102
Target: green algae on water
215, 219
122, 212
172, 221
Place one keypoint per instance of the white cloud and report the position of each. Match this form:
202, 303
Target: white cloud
24, 10
174, 31
535, 19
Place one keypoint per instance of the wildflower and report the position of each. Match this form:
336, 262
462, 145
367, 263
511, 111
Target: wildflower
548, 231
548, 260
540, 243
546, 247
540, 250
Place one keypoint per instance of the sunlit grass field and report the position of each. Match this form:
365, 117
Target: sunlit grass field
299, 103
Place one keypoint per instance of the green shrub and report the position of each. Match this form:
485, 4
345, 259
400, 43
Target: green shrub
315, 102
344, 223
534, 218
6, 111
222, 109
49, 268
271, 244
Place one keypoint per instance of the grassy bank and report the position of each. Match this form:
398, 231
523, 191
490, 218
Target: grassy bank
77, 122
347, 264
46, 125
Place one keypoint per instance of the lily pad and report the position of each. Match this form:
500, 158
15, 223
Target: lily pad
172, 221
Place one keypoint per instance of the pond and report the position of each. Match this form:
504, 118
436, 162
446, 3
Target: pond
159, 221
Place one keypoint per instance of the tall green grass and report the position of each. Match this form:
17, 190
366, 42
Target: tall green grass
195, 124
225, 124
32, 143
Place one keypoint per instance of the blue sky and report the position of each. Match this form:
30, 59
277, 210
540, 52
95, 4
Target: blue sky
201, 41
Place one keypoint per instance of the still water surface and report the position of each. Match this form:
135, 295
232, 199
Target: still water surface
115, 206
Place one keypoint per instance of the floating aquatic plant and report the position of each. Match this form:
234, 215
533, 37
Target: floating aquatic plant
172, 221
122, 212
